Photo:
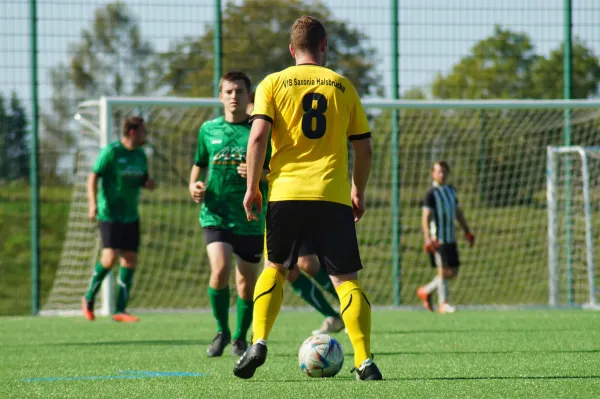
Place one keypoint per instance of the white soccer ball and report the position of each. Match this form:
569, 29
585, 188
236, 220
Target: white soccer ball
321, 356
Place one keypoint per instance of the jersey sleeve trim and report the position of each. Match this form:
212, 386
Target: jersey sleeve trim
360, 136
263, 117
201, 164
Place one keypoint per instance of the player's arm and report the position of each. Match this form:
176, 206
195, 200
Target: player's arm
430, 243
425, 223
255, 158
363, 154
196, 187
462, 220
243, 172
92, 189
257, 152
262, 119
101, 165
147, 182
359, 134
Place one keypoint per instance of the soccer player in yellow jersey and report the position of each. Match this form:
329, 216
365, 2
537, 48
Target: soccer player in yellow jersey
312, 112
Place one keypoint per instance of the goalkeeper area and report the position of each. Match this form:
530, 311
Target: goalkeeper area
498, 152
471, 354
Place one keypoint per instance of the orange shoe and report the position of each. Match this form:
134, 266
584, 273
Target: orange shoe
125, 318
87, 308
426, 298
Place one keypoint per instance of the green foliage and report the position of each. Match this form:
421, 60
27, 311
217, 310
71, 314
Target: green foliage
256, 39
548, 73
14, 149
111, 58
505, 65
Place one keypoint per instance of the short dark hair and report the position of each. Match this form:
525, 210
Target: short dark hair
443, 164
131, 123
232, 76
307, 34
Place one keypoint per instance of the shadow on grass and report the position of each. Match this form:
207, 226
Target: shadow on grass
166, 342
424, 379
504, 352
499, 378
475, 331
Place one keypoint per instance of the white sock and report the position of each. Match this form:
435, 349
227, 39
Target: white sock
432, 285
442, 290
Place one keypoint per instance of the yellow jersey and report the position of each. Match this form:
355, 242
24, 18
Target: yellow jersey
314, 112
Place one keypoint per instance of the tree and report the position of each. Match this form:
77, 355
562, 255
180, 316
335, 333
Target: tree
505, 65
110, 59
498, 67
548, 73
14, 149
3, 139
255, 40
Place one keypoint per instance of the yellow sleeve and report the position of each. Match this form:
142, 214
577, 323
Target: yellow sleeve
263, 101
358, 128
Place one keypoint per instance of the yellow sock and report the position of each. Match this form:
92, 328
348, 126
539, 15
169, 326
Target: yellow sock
268, 295
356, 312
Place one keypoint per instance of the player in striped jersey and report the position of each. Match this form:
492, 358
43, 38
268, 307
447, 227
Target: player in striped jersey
440, 210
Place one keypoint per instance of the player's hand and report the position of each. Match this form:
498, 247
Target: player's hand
92, 208
431, 245
150, 184
197, 191
253, 199
358, 204
471, 238
242, 170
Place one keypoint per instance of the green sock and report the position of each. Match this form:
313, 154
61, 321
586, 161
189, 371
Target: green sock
244, 318
124, 283
96, 281
304, 287
324, 281
219, 301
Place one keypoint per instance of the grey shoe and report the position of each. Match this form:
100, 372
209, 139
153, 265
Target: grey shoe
368, 371
330, 325
238, 347
252, 359
218, 345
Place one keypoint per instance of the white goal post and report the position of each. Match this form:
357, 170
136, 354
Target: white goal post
498, 154
573, 193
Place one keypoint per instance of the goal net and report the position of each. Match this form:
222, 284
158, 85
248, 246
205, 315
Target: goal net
497, 153
573, 218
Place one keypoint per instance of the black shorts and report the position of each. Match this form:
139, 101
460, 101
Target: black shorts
122, 236
248, 248
446, 256
328, 226
306, 248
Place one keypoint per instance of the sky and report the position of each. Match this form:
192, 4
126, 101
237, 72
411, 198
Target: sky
433, 34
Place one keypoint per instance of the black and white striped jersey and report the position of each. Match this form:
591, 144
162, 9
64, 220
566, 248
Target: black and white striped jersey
442, 201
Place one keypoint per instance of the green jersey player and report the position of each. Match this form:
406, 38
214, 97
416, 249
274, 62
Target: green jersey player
221, 149
122, 169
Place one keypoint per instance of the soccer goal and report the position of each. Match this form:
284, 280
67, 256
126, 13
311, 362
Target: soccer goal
573, 224
497, 153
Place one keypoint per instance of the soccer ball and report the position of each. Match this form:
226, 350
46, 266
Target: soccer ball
321, 356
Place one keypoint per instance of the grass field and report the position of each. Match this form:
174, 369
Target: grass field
541, 354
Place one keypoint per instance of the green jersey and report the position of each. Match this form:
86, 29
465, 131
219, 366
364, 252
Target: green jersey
122, 172
222, 148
